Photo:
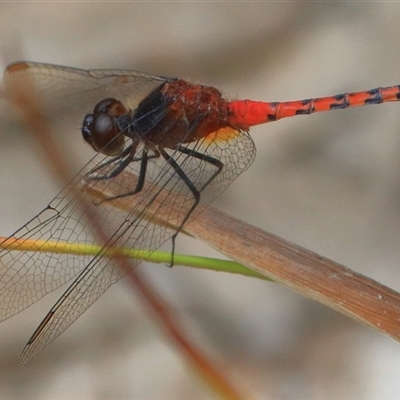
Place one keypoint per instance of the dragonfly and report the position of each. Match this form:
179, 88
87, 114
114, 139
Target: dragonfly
176, 137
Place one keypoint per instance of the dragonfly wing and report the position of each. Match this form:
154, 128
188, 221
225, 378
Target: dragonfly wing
233, 148
97, 277
25, 276
68, 94
102, 271
29, 276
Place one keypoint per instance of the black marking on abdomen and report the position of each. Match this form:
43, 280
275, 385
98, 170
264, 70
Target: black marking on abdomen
343, 102
376, 99
309, 110
303, 112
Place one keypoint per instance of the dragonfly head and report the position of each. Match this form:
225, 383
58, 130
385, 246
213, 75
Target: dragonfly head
100, 130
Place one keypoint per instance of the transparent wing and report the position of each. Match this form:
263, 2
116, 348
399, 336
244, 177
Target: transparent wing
25, 277
68, 94
131, 229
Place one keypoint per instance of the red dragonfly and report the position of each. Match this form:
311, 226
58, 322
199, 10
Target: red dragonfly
171, 134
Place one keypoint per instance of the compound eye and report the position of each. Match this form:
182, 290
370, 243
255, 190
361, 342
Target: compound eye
103, 105
105, 136
99, 129
87, 129
110, 106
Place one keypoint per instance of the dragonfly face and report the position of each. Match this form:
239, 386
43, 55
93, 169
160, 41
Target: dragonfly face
100, 129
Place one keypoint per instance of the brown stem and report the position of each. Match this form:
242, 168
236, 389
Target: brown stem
301, 270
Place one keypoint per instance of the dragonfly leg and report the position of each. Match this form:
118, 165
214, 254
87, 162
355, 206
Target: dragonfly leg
195, 191
142, 174
127, 153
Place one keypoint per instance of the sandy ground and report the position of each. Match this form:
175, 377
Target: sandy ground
328, 182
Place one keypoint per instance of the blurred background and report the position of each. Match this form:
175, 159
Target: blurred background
328, 182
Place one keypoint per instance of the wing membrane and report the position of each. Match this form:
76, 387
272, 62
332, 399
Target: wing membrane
67, 93
26, 277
